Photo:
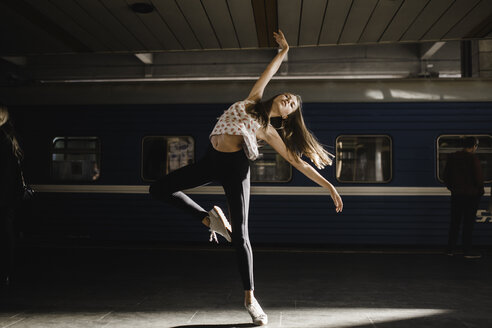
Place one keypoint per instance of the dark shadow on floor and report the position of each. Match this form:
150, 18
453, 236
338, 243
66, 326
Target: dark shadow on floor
131, 286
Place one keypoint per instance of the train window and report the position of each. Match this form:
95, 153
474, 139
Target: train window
76, 158
270, 167
448, 144
164, 154
363, 158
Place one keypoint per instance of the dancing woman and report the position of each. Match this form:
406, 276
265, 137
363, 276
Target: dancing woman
233, 144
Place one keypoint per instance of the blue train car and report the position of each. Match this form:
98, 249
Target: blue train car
401, 203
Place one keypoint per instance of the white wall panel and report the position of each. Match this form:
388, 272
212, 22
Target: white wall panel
475, 17
220, 17
380, 19
85, 21
28, 36
458, 10
133, 23
174, 18
159, 29
198, 20
230, 91
408, 12
111, 25
65, 22
289, 19
425, 20
244, 21
335, 17
313, 13
357, 20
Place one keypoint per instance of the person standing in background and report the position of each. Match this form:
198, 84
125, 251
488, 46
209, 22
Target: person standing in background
11, 189
464, 178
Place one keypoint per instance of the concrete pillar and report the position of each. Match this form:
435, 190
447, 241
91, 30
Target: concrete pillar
485, 58
466, 58
481, 58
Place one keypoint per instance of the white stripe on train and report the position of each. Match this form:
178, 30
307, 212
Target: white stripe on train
256, 190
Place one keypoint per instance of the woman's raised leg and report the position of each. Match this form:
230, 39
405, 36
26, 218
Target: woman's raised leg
168, 188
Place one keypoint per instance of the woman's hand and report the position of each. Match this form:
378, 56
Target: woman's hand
280, 39
256, 92
337, 200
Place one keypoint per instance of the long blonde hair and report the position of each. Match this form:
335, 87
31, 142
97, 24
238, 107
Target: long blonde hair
7, 128
296, 136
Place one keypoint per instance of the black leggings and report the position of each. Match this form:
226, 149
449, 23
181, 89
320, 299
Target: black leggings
232, 171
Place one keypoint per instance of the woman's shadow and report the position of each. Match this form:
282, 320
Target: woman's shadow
227, 325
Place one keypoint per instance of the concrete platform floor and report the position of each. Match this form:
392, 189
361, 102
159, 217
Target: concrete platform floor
193, 287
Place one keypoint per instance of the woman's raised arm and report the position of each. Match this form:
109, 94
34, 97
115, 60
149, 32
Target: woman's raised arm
257, 91
271, 136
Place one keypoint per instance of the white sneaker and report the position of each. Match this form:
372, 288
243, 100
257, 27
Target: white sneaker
219, 224
256, 312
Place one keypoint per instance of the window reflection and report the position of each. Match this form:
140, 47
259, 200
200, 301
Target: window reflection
362, 158
448, 144
75, 158
164, 154
270, 167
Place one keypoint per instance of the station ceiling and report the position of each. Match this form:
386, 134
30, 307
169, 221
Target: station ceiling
31, 27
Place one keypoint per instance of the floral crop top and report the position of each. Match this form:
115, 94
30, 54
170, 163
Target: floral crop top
236, 121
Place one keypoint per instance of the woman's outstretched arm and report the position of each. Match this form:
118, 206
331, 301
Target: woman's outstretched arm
257, 91
271, 136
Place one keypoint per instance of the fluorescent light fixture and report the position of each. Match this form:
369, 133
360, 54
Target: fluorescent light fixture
432, 50
146, 58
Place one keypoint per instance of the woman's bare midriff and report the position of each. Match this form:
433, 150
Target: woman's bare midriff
227, 143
